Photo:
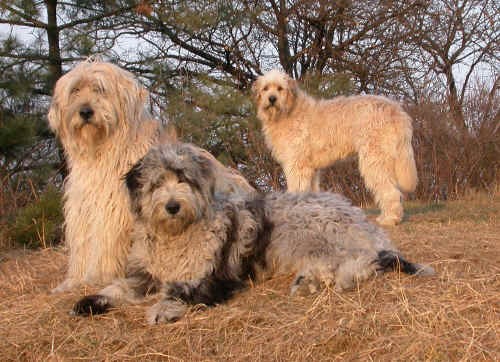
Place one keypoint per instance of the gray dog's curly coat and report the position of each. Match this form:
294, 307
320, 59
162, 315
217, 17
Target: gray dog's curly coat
195, 246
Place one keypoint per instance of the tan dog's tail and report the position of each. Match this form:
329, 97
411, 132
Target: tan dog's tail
406, 170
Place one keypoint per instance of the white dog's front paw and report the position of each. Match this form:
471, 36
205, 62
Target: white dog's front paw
166, 311
66, 285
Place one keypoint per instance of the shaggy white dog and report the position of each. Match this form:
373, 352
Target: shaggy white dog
307, 134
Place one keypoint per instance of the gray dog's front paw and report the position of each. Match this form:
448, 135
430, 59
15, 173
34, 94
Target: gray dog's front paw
166, 311
304, 286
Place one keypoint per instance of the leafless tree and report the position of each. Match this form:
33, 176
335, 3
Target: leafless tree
456, 40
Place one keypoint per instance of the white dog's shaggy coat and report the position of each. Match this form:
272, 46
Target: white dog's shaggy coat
100, 114
306, 135
194, 245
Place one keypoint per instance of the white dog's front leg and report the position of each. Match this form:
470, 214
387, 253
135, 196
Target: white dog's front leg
66, 285
122, 291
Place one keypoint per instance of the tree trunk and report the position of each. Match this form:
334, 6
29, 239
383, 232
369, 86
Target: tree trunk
454, 103
283, 46
55, 65
55, 62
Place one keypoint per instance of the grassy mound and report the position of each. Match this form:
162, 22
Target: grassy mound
451, 316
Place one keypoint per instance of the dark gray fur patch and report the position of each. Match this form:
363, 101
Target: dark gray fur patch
134, 185
91, 305
256, 205
142, 282
390, 260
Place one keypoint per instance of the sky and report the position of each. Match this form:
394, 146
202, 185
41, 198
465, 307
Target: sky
130, 45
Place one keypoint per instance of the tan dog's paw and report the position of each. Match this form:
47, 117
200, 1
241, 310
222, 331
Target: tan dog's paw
388, 220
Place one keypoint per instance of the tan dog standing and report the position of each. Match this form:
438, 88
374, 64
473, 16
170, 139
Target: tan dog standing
99, 113
307, 134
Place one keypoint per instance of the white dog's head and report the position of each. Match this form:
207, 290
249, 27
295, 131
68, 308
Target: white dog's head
275, 94
94, 102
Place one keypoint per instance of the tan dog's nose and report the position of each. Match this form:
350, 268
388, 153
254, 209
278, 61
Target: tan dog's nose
272, 99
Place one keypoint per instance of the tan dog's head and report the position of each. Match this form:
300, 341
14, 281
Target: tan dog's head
94, 102
274, 93
171, 188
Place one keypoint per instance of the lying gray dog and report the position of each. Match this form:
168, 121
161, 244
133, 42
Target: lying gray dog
194, 246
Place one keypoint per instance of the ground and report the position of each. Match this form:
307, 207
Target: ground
449, 317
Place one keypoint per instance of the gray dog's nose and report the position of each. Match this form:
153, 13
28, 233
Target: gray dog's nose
86, 112
272, 99
172, 207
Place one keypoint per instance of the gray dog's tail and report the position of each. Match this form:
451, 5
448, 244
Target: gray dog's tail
391, 260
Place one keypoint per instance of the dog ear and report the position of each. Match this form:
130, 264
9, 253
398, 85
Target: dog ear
205, 166
60, 94
292, 89
134, 184
132, 177
132, 99
131, 96
54, 116
204, 163
256, 89
292, 86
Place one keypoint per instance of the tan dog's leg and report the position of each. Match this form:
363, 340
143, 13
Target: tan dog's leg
298, 180
316, 181
389, 200
380, 179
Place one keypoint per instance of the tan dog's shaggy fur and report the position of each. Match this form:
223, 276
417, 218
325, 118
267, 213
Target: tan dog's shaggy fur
99, 113
306, 135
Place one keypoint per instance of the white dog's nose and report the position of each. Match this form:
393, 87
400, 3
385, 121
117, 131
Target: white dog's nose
86, 112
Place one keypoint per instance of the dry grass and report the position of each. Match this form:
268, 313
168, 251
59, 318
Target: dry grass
452, 316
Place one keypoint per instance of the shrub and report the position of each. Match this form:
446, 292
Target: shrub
39, 224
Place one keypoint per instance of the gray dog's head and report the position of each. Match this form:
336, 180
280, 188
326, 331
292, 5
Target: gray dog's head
171, 187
